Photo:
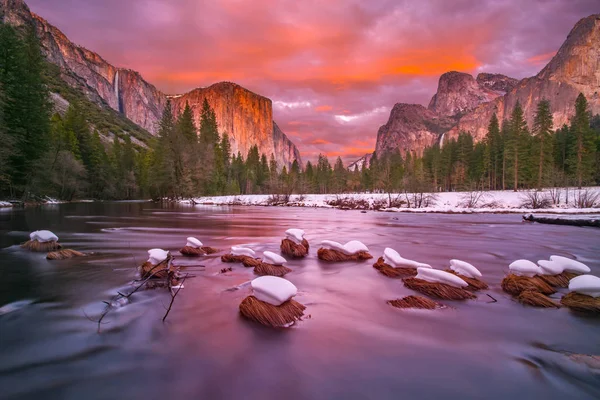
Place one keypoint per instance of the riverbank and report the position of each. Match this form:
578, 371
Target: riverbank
551, 201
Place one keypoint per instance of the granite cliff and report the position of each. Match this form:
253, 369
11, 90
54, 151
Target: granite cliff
463, 103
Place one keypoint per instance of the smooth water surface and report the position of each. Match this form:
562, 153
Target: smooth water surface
351, 345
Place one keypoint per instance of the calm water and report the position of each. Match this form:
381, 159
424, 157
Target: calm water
353, 346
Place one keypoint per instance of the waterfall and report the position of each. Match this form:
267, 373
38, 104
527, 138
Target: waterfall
442, 139
117, 94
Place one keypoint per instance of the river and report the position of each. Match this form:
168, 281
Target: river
351, 345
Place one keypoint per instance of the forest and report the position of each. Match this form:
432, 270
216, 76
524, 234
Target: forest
68, 155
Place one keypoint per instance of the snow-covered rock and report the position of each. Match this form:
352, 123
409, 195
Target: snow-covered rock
585, 284
438, 276
273, 290
570, 265
352, 247
550, 267
242, 251
193, 242
271, 258
295, 235
464, 268
394, 259
156, 256
525, 268
43, 236
330, 244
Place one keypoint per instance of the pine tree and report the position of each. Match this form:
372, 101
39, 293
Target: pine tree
26, 106
163, 167
517, 134
339, 176
583, 151
493, 152
542, 129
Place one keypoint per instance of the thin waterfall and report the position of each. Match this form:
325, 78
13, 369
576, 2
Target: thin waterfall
117, 94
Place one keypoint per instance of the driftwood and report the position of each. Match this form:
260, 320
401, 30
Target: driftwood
562, 221
295, 250
514, 285
196, 252
42, 247
270, 315
269, 269
581, 302
474, 283
64, 254
560, 280
437, 290
415, 302
337, 256
536, 299
230, 258
150, 281
394, 272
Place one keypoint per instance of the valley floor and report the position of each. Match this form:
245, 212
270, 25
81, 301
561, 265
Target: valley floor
572, 201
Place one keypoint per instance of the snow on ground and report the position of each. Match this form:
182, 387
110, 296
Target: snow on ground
447, 202
5, 204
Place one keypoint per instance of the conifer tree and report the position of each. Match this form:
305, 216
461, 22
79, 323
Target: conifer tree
542, 129
583, 151
515, 144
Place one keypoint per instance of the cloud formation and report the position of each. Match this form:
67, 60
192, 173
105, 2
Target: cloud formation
333, 68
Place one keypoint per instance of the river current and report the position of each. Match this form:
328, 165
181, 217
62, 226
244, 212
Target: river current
351, 345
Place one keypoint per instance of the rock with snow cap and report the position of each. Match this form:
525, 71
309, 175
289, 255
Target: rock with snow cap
465, 269
525, 268
571, 265
585, 284
295, 235
242, 251
438, 276
550, 267
193, 242
394, 259
156, 256
43, 236
273, 290
271, 258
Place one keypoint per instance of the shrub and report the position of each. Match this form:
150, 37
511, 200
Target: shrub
473, 199
535, 199
586, 198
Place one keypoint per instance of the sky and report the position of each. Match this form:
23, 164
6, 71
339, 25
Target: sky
334, 69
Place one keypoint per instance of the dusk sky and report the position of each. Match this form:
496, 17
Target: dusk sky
333, 69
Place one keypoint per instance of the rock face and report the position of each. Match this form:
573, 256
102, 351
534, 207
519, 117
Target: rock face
459, 93
411, 127
358, 164
496, 82
463, 103
245, 116
574, 69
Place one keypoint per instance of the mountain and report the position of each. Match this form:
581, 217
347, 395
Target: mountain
464, 103
244, 115
358, 164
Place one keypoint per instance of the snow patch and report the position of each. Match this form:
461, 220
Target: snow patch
273, 290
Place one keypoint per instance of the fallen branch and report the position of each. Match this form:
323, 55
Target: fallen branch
173, 297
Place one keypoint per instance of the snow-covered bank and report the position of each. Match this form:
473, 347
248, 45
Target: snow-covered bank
573, 201
5, 204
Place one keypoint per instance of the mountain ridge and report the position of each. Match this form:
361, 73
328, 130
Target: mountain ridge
574, 69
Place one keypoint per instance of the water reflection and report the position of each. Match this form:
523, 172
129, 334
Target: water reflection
353, 345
